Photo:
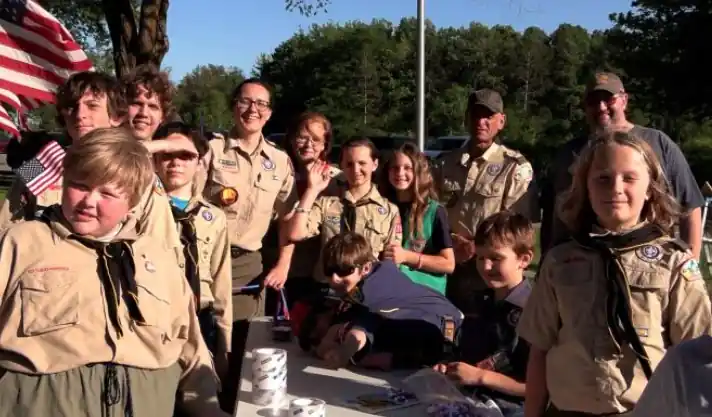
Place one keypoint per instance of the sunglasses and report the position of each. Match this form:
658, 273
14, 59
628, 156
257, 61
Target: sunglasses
340, 271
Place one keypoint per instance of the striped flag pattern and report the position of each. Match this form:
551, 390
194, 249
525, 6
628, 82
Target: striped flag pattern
44, 169
37, 54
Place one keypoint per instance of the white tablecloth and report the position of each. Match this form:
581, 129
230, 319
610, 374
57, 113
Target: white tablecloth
306, 377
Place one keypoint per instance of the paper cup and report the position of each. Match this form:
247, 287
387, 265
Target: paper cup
269, 398
269, 381
307, 407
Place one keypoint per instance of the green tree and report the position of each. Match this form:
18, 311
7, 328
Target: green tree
203, 95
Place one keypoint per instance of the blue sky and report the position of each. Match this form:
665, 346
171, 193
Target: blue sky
236, 32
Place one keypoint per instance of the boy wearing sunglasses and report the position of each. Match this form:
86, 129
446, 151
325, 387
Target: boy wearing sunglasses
203, 233
386, 320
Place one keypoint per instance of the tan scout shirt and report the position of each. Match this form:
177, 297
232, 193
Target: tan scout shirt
54, 314
377, 220
474, 189
214, 265
566, 316
264, 182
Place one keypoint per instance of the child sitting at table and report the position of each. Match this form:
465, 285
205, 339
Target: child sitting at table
492, 359
386, 320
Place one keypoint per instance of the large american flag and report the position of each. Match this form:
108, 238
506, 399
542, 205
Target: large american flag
37, 54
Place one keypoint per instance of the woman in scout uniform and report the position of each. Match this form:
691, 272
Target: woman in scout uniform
94, 322
203, 231
426, 255
608, 304
308, 141
358, 208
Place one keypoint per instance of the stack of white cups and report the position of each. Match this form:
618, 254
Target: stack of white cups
269, 377
307, 407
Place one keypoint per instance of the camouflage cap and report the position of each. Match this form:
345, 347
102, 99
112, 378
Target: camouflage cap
487, 98
605, 81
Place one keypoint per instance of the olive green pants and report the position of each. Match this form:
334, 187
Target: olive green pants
91, 391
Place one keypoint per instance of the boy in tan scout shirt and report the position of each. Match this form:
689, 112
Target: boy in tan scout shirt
360, 208
608, 304
478, 181
91, 310
203, 231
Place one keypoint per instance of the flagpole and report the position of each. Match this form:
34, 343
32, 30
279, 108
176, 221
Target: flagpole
420, 90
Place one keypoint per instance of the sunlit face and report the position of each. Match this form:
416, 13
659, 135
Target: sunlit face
91, 112
358, 165
401, 172
177, 170
500, 266
93, 211
252, 109
485, 125
310, 142
618, 186
343, 281
604, 109
145, 114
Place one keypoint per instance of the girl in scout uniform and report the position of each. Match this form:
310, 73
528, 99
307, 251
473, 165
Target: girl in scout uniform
203, 231
358, 208
308, 141
94, 322
426, 255
609, 303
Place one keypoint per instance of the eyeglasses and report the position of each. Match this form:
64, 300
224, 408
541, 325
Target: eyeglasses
595, 98
183, 156
340, 271
245, 103
302, 140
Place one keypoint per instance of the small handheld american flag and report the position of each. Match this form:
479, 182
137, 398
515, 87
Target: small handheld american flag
44, 169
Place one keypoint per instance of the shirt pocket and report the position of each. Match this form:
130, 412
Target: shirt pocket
49, 302
267, 191
154, 300
576, 292
376, 232
648, 289
490, 196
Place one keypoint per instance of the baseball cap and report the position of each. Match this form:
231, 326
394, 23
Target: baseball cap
605, 81
487, 98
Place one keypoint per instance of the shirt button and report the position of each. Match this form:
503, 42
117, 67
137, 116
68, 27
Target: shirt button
181, 265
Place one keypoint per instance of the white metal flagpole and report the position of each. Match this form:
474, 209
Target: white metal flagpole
420, 90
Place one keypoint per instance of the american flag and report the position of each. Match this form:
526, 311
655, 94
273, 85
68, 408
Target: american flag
37, 54
44, 169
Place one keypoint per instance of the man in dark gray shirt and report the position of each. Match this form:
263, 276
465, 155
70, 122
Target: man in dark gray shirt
605, 104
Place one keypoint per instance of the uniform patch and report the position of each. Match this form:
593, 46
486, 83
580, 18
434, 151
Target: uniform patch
494, 169
227, 162
691, 270
524, 173
267, 164
332, 220
381, 210
158, 186
208, 216
417, 245
513, 317
649, 253
228, 196
150, 267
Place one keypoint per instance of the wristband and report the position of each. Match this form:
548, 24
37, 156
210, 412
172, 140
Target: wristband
420, 262
300, 209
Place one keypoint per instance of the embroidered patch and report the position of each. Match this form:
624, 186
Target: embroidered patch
417, 245
267, 164
332, 219
208, 216
691, 270
381, 210
524, 173
649, 253
494, 169
228, 196
513, 317
227, 162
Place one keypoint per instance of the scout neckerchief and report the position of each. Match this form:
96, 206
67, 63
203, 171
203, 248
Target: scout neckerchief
618, 309
189, 241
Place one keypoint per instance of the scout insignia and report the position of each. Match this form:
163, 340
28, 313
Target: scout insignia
524, 173
513, 317
208, 216
418, 245
381, 210
601, 78
691, 270
228, 196
150, 267
649, 253
267, 165
494, 169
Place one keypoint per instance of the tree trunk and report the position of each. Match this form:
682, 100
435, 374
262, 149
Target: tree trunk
136, 44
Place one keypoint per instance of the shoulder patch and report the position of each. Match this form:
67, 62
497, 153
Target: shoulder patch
524, 172
690, 270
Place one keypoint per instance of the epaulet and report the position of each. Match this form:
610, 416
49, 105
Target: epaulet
272, 143
215, 135
516, 155
680, 244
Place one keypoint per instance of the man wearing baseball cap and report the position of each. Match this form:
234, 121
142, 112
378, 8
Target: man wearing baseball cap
605, 103
476, 182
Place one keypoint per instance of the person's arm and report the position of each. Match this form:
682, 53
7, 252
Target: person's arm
536, 396
221, 273
689, 312
443, 262
691, 230
307, 217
